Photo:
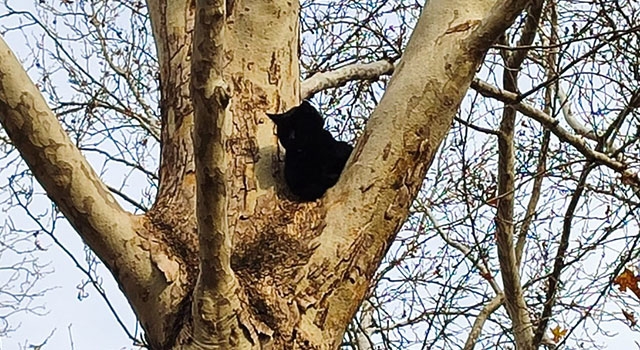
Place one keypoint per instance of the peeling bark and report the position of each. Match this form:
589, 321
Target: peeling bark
271, 272
122, 241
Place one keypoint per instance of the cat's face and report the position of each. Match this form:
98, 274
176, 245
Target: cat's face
298, 127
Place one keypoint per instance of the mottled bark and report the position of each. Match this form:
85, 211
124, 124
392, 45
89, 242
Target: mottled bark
372, 198
171, 222
121, 240
272, 272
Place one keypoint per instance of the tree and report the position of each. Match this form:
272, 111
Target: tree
224, 258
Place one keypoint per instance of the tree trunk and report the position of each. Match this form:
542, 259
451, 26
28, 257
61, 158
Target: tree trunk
245, 266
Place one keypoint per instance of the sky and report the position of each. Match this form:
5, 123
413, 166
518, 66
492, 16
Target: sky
71, 322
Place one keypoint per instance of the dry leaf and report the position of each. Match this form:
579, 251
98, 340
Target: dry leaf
630, 317
558, 333
628, 280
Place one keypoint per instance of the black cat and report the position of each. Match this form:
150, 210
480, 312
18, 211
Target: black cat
313, 159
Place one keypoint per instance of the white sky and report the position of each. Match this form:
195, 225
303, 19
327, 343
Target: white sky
76, 324
88, 323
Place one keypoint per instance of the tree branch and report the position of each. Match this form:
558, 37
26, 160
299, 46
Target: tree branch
466, 251
487, 90
536, 190
504, 219
388, 165
558, 261
71, 183
578, 127
332, 79
216, 295
480, 320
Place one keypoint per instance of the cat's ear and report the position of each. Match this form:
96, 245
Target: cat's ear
311, 113
306, 107
276, 118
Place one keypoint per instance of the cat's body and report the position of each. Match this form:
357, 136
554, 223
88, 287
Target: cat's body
313, 159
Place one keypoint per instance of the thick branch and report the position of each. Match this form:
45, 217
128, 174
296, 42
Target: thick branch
481, 319
577, 126
174, 208
211, 98
561, 254
501, 13
528, 34
215, 298
70, 181
389, 163
552, 124
359, 71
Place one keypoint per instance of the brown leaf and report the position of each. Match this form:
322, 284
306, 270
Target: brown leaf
558, 333
628, 178
628, 280
630, 317
487, 275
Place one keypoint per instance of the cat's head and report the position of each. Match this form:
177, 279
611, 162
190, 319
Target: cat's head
298, 127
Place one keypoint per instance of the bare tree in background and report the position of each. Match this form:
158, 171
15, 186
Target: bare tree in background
20, 273
507, 210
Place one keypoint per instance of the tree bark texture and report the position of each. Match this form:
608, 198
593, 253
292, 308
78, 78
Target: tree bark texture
226, 258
